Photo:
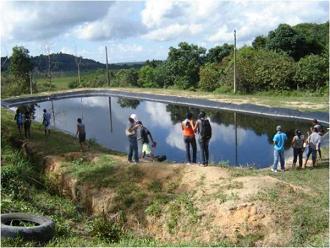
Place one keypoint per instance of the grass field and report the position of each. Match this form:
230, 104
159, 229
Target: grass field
175, 198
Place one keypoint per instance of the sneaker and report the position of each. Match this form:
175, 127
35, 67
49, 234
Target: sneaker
188, 164
273, 170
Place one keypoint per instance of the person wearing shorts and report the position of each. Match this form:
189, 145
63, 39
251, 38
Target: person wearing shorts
144, 136
46, 122
313, 142
81, 133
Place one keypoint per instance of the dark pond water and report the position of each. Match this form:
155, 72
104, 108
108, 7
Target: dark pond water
238, 139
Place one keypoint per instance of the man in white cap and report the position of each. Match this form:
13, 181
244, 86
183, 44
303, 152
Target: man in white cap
131, 132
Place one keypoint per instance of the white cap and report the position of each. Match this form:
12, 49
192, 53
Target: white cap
134, 117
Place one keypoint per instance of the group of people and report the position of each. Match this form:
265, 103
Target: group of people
25, 119
136, 131
191, 128
311, 145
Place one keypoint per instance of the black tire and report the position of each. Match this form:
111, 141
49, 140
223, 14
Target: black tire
43, 232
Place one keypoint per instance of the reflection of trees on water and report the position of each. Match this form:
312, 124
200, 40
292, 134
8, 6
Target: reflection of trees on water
260, 125
178, 113
128, 103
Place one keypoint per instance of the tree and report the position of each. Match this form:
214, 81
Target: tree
216, 54
259, 42
184, 63
126, 78
260, 70
286, 39
20, 67
147, 77
312, 72
316, 35
209, 77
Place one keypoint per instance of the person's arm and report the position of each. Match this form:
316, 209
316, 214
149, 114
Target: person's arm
152, 140
134, 127
196, 126
293, 140
182, 127
77, 130
275, 140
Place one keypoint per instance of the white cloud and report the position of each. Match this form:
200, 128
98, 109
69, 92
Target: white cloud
175, 138
158, 114
117, 24
223, 35
43, 20
137, 29
173, 31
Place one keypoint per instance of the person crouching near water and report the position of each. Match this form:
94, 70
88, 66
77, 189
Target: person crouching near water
189, 138
203, 128
131, 133
144, 137
298, 148
279, 141
81, 133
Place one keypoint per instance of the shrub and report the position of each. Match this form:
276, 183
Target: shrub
209, 77
106, 229
312, 72
260, 70
73, 84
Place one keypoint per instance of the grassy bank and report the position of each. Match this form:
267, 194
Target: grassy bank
159, 204
300, 100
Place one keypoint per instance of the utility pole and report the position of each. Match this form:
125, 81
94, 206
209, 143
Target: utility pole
78, 61
107, 67
31, 83
234, 61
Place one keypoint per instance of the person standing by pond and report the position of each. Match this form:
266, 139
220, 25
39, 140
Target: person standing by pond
298, 148
81, 133
203, 128
46, 122
131, 133
313, 142
19, 121
320, 130
27, 124
189, 138
279, 141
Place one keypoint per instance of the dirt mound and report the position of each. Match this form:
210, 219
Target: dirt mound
172, 203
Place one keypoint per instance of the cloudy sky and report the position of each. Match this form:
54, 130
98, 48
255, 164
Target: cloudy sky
140, 30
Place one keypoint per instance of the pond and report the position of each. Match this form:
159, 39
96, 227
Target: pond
238, 139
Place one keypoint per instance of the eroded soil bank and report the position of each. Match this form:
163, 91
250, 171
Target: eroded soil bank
175, 203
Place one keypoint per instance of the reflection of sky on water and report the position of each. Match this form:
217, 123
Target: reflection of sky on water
253, 147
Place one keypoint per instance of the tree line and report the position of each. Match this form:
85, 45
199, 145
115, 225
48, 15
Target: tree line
288, 58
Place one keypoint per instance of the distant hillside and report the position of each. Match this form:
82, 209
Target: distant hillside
61, 62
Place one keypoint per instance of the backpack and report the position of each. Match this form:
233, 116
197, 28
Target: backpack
205, 129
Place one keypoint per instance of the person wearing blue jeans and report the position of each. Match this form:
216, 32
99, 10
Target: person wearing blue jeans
279, 142
131, 132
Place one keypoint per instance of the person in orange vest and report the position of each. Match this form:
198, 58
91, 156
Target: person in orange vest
189, 138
